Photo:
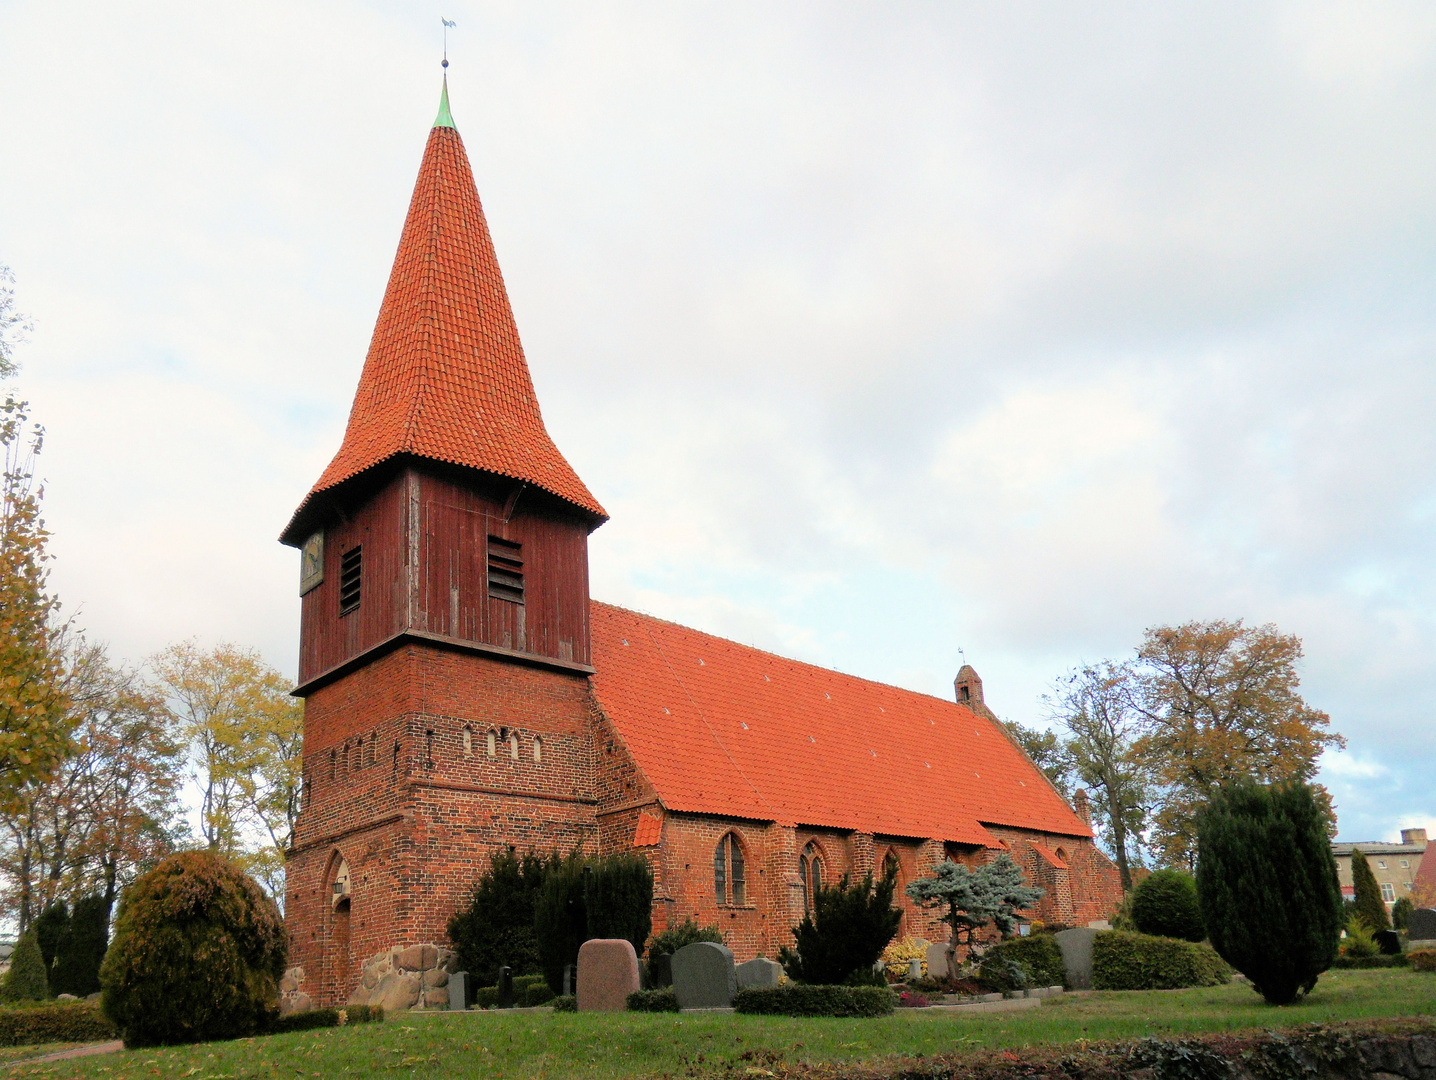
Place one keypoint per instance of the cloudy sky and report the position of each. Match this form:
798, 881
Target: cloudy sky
883, 331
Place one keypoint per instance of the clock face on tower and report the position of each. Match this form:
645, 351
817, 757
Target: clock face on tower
311, 563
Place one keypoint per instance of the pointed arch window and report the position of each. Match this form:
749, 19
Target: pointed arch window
891, 865
538, 750
514, 745
810, 871
491, 742
730, 872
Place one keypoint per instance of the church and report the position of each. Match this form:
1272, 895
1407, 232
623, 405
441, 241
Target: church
462, 692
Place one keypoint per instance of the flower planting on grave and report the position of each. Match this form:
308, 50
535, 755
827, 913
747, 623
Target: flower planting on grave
198, 953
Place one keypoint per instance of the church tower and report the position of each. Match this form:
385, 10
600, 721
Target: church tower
444, 641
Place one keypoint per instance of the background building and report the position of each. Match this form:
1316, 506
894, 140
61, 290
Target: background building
1395, 865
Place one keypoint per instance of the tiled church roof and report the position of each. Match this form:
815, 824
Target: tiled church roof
722, 728
446, 377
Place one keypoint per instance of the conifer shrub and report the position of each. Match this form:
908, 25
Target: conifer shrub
537, 994
60, 1021
1370, 908
1038, 960
847, 931
1359, 942
1401, 912
25, 981
804, 999
661, 1000
50, 929
1123, 960
1267, 885
496, 927
560, 917
76, 969
1165, 904
565, 1003
198, 953
620, 899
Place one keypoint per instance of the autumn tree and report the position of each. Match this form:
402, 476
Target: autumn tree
243, 730
1094, 704
33, 734
1219, 703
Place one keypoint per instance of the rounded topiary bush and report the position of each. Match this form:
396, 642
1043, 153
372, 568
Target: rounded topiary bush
197, 955
1165, 905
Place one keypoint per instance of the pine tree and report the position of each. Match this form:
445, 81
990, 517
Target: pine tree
992, 893
845, 934
1370, 908
81, 951
25, 981
51, 929
1266, 882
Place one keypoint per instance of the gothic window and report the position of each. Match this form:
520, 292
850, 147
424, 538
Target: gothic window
891, 865
810, 871
729, 871
351, 566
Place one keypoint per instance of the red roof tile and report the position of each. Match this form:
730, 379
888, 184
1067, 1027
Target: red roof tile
648, 831
722, 728
1051, 856
446, 377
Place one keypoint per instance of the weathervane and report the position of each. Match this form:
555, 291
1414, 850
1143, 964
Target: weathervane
447, 24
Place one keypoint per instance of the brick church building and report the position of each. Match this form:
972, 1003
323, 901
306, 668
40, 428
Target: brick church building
462, 691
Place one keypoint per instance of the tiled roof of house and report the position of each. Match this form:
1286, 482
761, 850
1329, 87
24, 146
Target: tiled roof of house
722, 728
446, 377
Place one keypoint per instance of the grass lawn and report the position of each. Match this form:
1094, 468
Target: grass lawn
21, 1053
544, 1044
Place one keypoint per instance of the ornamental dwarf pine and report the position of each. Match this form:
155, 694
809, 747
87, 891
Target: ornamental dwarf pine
992, 893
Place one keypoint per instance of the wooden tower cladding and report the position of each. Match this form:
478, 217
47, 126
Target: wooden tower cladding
444, 641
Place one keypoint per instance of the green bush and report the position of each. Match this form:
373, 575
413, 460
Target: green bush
1122, 960
326, 1018
1369, 905
496, 927
1378, 961
565, 1003
806, 999
523, 982
1359, 942
674, 938
846, 933
1037, 959
538, 994
486, 997
25, 981
659, 1001
560, 917
65, 1021
198, 953
81, 949
50, 929
1165, 905
1266, 880
620, 899
1401, 912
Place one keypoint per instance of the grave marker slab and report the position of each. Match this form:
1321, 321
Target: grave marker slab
937, 961
1076, 946
607, 974
704, 976
759, 972
1421, 924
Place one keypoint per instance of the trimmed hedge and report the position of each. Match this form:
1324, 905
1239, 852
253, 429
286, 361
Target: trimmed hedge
79, 1021
565, 1003
805, 999
661, 1000
1378, 961
538, 994
486, 997
529, 991
1165, 904
1422, 960
327, 1018
1126, 961
1038, 959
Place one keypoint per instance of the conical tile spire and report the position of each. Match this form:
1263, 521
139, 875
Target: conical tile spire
446, 377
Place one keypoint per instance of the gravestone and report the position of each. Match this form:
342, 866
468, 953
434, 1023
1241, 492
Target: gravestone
568, 980
506, 988
460, 996
1421, 924
759, 972
937, 961
704, 976
607, 974
914, 969
661, 968
1389, 942
1076, 946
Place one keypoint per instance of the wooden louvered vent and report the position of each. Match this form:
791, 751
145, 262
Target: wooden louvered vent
351, 566
506, 570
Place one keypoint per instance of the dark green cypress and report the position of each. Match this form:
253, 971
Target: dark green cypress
50, 930
77, 961
620, 899
25, 981
1370, 908
1266, 882
496, 927
560, 916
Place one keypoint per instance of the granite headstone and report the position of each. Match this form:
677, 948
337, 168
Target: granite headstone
937, 961
759, 972
607, 974
704, 976
460, 996
1076, 946
1389, 942
506, 988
